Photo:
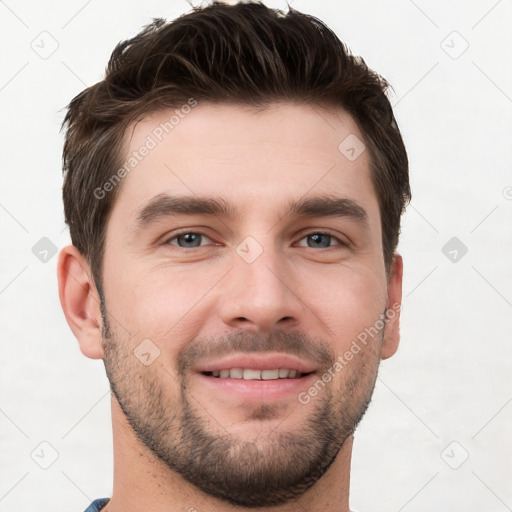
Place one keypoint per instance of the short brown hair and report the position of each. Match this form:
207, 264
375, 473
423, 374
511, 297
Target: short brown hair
246, 54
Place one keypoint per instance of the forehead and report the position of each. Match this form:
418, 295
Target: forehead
252, 158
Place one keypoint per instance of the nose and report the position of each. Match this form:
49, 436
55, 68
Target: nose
261, 295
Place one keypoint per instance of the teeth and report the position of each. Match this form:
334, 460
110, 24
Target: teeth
250, 374
269, 374
236, 373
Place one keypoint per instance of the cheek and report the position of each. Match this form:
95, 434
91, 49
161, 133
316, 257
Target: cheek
161, 304
171, 303
348, 301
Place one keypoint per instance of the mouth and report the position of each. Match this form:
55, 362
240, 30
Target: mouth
256, 374
256, 377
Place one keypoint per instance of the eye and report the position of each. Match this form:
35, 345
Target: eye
192, 240
188, 240
322, 240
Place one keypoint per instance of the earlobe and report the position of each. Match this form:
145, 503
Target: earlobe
80, 301
393, 308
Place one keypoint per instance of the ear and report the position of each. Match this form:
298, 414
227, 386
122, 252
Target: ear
80, 301
393, 307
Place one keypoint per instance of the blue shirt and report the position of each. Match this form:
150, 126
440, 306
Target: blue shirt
96, 505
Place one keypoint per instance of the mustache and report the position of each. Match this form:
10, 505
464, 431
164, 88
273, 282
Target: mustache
294, 343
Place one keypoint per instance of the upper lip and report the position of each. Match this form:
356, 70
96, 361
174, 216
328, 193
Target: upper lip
257, 361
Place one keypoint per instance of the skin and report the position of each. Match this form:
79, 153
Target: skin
256, 161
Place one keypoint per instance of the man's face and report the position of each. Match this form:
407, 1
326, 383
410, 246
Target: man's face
224, 313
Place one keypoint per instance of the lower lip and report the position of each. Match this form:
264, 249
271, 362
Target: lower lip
258, 390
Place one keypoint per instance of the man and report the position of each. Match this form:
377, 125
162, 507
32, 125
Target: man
234, 188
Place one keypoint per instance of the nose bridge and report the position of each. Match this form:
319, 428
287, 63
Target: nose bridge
260, 293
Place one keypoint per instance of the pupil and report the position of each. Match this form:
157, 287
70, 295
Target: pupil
318, 240
190, 238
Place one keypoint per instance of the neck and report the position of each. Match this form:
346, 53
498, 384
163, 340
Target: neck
143, 482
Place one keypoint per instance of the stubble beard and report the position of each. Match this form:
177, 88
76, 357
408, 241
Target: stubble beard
265, 470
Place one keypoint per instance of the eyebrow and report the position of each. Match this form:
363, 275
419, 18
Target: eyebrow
164, 205
327, 206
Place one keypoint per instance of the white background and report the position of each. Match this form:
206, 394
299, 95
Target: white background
446, 395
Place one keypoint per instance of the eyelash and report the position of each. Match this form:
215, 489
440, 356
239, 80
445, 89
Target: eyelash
323, 233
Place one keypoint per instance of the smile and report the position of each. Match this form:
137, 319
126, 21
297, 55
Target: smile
252, 374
